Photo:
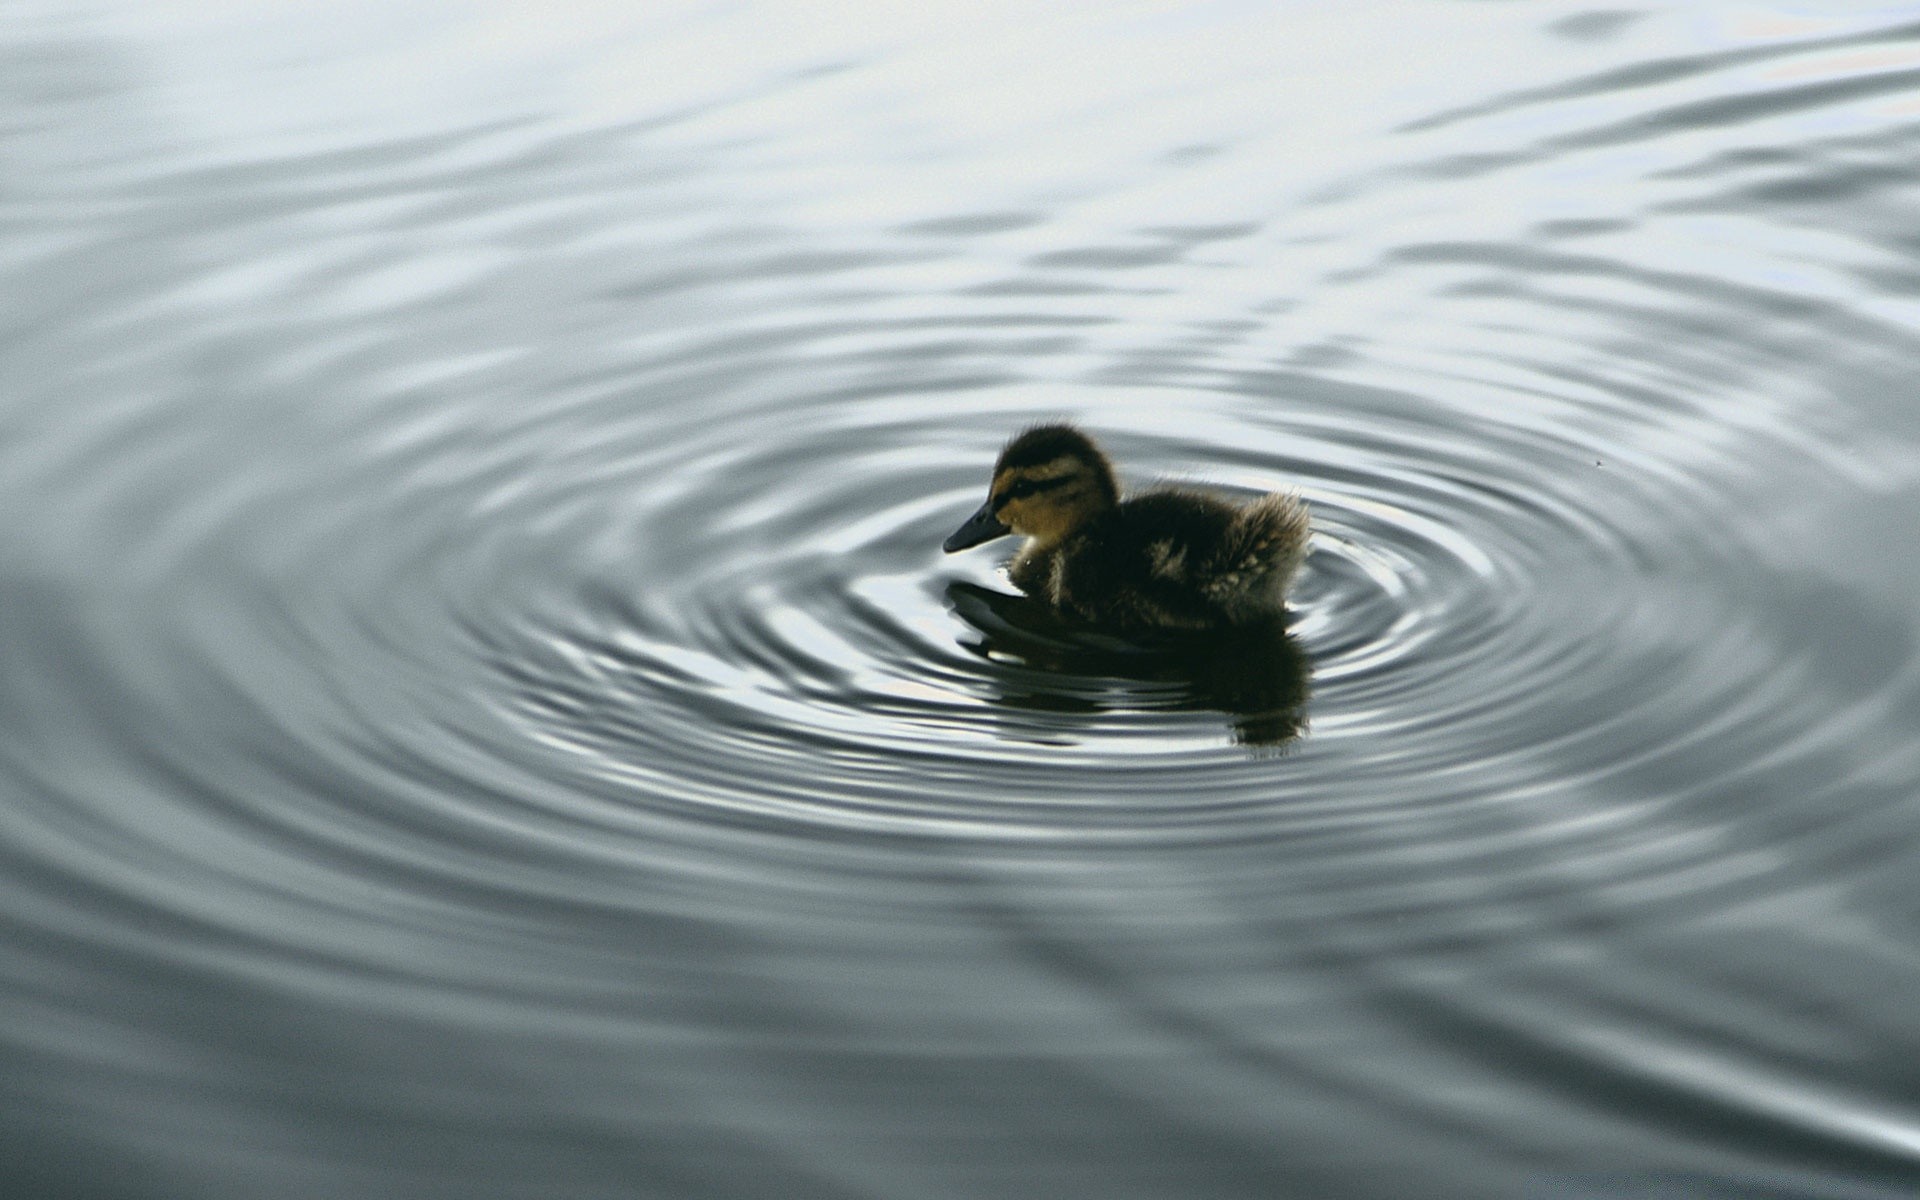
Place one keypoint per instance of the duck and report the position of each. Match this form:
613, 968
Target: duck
1168, 559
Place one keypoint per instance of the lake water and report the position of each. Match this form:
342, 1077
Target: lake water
484, 714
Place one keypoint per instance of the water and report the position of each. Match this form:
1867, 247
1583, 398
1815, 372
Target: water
483, 712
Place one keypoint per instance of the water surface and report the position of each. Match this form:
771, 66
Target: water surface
483, 712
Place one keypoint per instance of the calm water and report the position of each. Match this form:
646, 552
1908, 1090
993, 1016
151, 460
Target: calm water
484, 715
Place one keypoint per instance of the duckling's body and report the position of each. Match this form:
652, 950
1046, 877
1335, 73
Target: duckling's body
1165, 559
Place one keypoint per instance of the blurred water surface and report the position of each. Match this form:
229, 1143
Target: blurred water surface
483, 713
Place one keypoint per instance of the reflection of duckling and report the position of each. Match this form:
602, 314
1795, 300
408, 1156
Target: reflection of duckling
1040, 666
1161, 560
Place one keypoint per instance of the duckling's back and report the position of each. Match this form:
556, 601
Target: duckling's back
1181, 560
1259, 555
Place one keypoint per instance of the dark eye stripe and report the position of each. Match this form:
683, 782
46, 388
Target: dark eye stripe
1028, 487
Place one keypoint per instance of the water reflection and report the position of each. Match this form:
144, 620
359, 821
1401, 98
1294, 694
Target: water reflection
1256, 673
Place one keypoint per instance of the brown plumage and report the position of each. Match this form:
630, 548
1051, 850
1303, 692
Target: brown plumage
1165, 559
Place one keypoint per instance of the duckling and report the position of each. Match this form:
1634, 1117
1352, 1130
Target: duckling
1170, 559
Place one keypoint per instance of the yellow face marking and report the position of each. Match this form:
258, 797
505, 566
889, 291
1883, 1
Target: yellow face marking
1046, 502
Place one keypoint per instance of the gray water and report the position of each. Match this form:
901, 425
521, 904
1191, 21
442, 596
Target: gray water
483, 712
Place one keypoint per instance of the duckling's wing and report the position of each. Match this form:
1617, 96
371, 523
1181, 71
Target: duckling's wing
1141, 564
1258, 554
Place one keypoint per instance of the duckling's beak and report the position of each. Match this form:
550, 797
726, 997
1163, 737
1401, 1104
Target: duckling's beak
982, 526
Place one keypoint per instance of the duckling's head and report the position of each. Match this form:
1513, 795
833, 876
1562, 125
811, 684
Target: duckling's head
1049, 481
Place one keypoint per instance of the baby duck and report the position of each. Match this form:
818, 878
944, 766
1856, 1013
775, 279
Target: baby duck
1165, 559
